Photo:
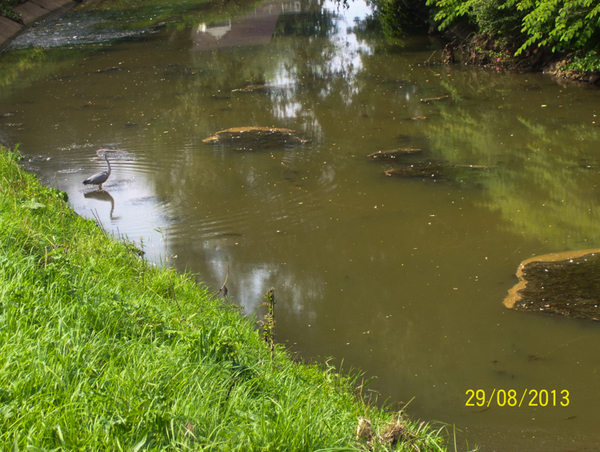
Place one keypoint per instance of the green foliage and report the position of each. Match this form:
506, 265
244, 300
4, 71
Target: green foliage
497, 20
589, 62
560, 24
268, 324
449, 12
492, 17
393, 18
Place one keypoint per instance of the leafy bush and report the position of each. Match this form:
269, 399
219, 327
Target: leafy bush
392, 16
449, 12
497, 20
561, 24
586, 63
490, 18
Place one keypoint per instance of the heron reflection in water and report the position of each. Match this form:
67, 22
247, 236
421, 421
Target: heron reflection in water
103, 196
101, 177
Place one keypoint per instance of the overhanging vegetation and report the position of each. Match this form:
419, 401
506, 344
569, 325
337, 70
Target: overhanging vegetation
566, 29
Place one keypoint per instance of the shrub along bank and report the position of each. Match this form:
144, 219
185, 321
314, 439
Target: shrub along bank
100, 350
536, 34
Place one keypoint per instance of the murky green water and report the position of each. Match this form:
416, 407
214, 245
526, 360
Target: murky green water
402, 278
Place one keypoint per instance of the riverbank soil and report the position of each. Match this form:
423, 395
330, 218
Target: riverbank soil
472, 49
30, 12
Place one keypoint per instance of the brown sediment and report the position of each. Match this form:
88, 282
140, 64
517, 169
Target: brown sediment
255, 138
251, 88
440, 170
433, 99
433, 170
559, 69
393, 154
479, 50
566, 284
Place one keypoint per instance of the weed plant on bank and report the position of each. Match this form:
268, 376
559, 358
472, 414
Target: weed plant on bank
99, 350
6, 9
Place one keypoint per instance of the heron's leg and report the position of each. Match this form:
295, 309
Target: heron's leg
100, 187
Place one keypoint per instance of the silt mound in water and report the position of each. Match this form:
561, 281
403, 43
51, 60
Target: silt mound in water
255, 138
566, 284
435, 170
390, 156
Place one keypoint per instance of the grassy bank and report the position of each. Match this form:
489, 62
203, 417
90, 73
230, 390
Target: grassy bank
101, 351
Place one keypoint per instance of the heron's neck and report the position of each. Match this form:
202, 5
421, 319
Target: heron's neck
107, 162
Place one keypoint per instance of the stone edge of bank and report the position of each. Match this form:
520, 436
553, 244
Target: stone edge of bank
31, 12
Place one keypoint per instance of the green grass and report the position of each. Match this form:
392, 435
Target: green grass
101, 351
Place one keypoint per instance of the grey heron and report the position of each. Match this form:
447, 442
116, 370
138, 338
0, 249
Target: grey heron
101, 177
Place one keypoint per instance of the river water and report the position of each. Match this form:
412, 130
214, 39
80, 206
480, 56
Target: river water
401, 278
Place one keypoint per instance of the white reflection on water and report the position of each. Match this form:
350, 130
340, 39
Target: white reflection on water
343, 61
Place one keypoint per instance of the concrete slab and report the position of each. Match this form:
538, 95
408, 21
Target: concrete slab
8, 28
51, 5
30, 12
